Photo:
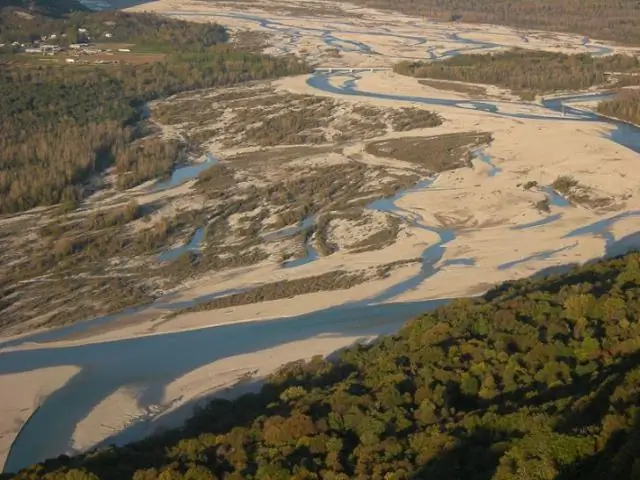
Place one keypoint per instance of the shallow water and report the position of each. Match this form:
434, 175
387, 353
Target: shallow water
193, 245
486, 159
185, 173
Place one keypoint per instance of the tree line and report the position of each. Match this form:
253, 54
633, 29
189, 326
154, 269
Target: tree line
537, 379
144, 29
62, 125
526, 72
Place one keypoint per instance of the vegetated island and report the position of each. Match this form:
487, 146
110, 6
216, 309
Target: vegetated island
526, 73
536, 379
625, 106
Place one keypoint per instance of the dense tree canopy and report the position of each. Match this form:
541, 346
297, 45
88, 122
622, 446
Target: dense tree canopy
62, 124
625, 106
538, 379
527, 72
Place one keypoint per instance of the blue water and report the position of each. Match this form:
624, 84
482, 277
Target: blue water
555, 198
289, 231
539, 223
486, 159
193, 245
185, 173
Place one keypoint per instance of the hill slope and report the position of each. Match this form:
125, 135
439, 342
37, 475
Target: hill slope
539, 379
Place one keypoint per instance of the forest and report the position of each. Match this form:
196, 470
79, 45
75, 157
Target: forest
525, 72
537, 379
618, 21
625, 106
143, 29
63, 124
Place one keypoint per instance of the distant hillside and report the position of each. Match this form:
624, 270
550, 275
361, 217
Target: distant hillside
610, 20
537, 380
50, 8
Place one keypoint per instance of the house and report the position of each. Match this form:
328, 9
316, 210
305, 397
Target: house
70, 60
108, 34
32, 50
82, 30
124, 50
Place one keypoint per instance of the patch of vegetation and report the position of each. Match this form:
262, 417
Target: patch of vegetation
543, 206
277, 156
528, 185
439, 153
525, 72
625, 106
251, 40
215, 181
564, 184
336, 280
383, 271
578, 194
380, 239
536, 379
473, 91
405, 119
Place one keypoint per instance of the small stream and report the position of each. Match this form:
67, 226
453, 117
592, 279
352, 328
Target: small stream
193, 245
184, 173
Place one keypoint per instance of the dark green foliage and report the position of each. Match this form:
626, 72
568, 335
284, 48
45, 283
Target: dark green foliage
625, 106
539, 379
526, 72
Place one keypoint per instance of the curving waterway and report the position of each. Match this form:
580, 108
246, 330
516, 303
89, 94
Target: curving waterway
148, 364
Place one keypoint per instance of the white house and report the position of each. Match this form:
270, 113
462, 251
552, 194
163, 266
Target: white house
108, 34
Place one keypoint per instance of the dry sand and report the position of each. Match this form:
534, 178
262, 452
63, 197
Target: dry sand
484, 210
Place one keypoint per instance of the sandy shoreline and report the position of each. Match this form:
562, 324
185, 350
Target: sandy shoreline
148, 371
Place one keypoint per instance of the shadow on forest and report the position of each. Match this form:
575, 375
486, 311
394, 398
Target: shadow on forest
477, 455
